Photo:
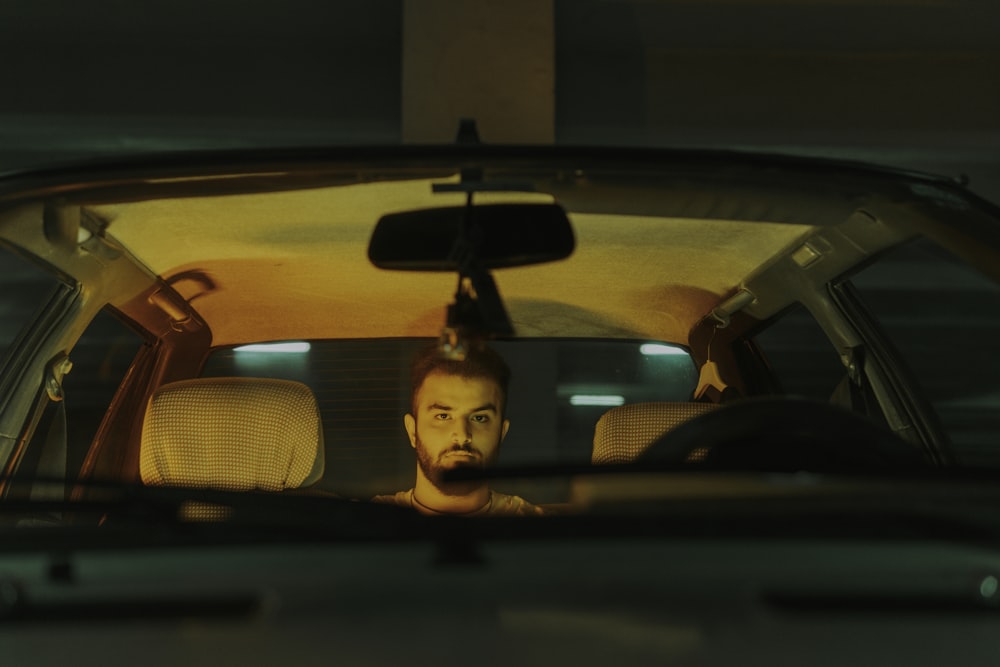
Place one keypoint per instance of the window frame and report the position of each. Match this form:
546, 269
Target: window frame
894, 384
28, 365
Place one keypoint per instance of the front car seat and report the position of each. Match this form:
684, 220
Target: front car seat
233, 434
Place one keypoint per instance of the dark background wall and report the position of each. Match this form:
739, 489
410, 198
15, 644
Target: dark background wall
912, 84
909, 83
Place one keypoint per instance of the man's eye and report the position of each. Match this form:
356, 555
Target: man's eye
442, 416
481, 419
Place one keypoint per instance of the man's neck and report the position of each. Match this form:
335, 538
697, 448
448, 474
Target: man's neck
430, 499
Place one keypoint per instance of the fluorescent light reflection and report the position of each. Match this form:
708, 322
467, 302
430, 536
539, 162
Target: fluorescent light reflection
658, 349
278, 348
605, 400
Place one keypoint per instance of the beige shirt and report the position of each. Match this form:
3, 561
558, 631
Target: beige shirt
499, 504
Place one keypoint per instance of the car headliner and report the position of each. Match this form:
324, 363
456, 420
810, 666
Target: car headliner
285, 265
273, 245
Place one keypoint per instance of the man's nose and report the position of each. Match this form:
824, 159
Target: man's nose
463, 432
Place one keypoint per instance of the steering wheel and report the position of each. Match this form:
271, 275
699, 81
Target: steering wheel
784, 435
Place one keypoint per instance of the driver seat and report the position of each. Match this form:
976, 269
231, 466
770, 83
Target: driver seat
625, 432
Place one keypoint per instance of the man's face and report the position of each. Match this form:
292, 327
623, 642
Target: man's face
457, 423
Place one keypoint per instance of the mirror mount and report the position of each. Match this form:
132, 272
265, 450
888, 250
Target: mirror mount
478, 309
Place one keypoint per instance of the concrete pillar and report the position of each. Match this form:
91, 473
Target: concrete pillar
483, 59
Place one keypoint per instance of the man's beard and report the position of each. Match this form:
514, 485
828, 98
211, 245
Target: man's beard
435, 471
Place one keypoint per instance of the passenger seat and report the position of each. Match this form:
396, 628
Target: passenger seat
233, 434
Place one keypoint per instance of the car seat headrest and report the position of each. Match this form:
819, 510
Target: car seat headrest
625, 432
231, 433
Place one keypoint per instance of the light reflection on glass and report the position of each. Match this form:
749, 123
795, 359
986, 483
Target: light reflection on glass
658, 349
278, 348
606, 400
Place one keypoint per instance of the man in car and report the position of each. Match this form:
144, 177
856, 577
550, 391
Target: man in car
457, 420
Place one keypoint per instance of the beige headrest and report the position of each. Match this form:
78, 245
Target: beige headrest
625, 432
235, 434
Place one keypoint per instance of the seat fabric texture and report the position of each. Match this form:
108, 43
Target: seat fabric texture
233, 434
625, 432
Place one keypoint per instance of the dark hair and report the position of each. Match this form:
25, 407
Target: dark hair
481, 361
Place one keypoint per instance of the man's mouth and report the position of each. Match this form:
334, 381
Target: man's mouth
462, 452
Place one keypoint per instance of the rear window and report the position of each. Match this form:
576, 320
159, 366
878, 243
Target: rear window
558, 391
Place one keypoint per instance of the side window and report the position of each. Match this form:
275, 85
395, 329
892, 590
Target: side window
101, 358
943, 318
25, 288
802, 358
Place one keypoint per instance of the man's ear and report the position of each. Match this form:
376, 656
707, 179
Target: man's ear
410, 424
503, 429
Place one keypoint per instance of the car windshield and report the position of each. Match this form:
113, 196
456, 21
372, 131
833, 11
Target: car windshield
232, 327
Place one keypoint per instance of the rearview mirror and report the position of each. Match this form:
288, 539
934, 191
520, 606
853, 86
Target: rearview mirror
502, 235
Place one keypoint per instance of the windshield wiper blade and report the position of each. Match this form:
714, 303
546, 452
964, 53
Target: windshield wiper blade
124, 508
566, 470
